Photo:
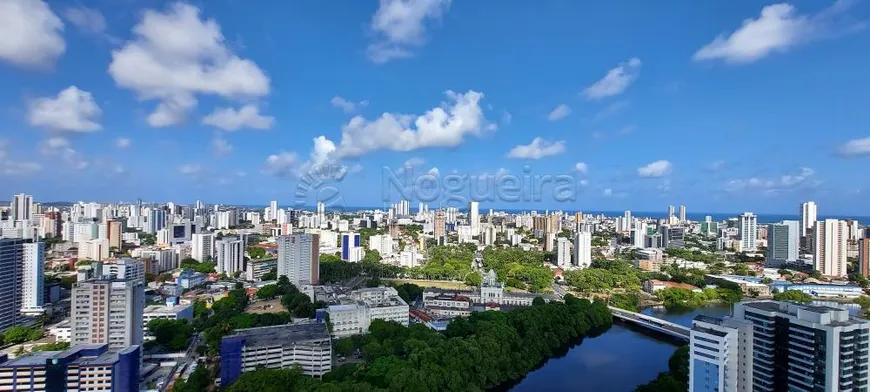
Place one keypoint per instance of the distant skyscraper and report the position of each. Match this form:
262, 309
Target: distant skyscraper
582, 249
273, 210
474, 217
682, 214
107, 311
440, 227
747, 226
808, 217
563, 252
350, 247
202, 246
21, 207
299, 257
829, 247
33, 260
783, 241
864, 257
229, 254
670, 211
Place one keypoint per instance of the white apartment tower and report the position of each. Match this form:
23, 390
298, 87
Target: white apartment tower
582, 249
273, 210
230, 253
747, 226
563, 252
107, 311
829, 247
474, 217
299, 258
808, 216
32, 263
720, 355
202, 246
21, 207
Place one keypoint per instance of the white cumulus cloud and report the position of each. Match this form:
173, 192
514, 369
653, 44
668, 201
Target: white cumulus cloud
400, 27
581, 168
769, 186
190, 169
221, 146
559, 112
30, 33
247, 116
537, 149
176, 55
62, 148
72, 110
655, 169
444, 126
778, 28
86, 19
347, 106
856, 147
122, 142
615, 82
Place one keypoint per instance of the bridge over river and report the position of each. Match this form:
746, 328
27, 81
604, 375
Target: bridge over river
652, 323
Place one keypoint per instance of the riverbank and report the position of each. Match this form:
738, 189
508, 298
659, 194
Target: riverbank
620, 359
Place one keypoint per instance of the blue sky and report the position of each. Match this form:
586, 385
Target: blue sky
721, 106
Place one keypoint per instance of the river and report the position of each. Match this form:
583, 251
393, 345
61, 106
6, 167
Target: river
618, 360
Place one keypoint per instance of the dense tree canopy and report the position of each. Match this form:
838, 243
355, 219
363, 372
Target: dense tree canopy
474, 354
519, 268
793, 296
190, 263
172, 334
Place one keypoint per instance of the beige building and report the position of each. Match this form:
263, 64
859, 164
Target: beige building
829, 247
107, 311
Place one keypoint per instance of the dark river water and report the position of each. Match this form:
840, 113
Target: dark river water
618, 360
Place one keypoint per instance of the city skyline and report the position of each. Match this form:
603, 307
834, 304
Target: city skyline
657, 116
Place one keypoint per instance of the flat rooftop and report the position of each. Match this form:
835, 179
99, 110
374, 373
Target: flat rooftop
282, 334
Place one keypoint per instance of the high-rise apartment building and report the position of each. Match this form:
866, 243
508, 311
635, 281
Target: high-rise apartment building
273, 210
13, 254
563, 252
229, 255
808, 216
21, 207
107, 311
113, 233
299, 257
439, 225
474, 217
670, 211
829, 247
32, 286
582, 249
864, 257
747, 229
350, 247
803, 347
202, 246
682, 214
783, 242
720, 352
